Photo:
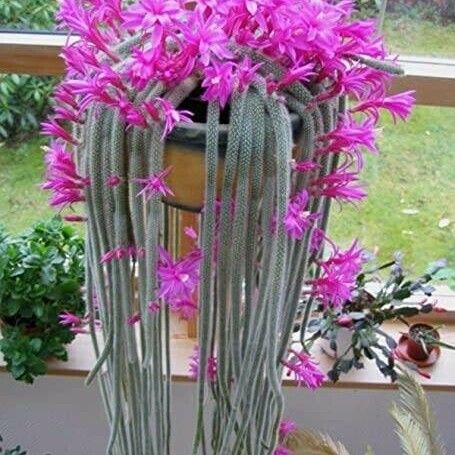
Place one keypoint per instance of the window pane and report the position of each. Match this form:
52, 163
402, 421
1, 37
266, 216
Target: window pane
27, 14
421, 27
411, 192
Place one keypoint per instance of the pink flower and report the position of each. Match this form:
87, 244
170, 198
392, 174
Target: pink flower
185, 308
218, 82
317, 237
84, 21
399, 106
190, 232
349, 135
74, 218
304, 166
206, 39
194, 366
282, 450
80, 59
296, 74
122, 252
334, 287
297, 220
154, 306
172, 116
93, 90
341, 185
344, 320
151, 15
178, 279
246, 73
62, 177
286, 427
113, 180
133, 319
67, 318
155, 184
53, 128
304, 370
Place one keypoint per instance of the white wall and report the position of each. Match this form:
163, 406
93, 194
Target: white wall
61, 416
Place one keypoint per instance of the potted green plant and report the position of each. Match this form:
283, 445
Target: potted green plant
354, 332
41, 275
422, 340
17, 450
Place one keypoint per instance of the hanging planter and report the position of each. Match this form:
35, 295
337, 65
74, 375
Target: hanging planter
275, 144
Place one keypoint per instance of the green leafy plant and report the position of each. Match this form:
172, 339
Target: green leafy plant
14, 451
365, 313
24, 99
41, 275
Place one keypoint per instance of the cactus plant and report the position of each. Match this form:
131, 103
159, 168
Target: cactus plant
267, 196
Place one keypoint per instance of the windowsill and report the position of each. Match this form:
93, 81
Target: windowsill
81, 358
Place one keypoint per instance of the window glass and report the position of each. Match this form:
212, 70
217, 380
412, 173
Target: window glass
421, 27
27, 14
411, 192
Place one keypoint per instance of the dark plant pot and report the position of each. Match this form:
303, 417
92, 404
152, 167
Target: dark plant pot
185, 152
414, 348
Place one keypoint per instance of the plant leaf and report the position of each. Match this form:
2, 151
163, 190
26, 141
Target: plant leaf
304, 442
415, 419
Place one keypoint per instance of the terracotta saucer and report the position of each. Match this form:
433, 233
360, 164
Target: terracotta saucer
401, 351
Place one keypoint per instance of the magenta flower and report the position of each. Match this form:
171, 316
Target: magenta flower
113, 180
334, 287
172, 116
282, 450
218, 82
133, 319
399, 106
185, 308
122, 252
152, 15
153, 306
178, 279
84, 21
190, 232
206, 39
246, 73
344, 320
53, 128
317, 237
304, 370
75, 218
286, 427
297, 219
304, 166
155, 184
341, 185
80, 59
194, 365
68, 318
349, 135
62, 177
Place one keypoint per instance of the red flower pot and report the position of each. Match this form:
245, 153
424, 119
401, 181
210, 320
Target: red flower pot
415, 350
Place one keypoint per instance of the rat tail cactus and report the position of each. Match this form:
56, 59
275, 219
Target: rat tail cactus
279, 142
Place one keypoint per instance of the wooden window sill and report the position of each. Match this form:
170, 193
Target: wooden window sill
81, 358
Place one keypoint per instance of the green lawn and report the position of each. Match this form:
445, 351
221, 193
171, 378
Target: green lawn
22, 202
419, 37
411, 188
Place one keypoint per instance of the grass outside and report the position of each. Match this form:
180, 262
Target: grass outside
411, 192
411, 203
409, 36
